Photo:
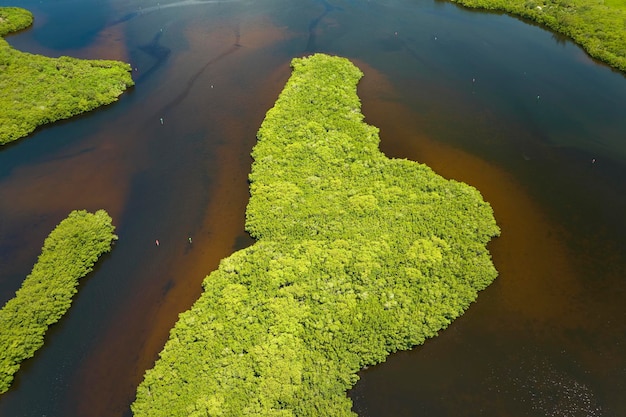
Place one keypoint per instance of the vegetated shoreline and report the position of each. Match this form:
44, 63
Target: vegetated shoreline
357, 256
597, 27
14, 19
68, 254
36, 90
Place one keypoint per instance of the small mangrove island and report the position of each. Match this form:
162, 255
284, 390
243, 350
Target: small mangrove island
356, 256
35, 90
69, 253
598, 26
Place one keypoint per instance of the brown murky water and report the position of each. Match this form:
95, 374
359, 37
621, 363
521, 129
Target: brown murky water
143, 323
537, 342
545, 339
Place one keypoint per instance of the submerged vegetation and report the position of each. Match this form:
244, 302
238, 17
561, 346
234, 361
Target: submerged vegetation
598, 26
68, 254
35, 90
357, 256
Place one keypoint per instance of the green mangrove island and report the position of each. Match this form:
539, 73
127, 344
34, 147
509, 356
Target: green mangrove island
599, 26
69, 253
36, 90
356, 256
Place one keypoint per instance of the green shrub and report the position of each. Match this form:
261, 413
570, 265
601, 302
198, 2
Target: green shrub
357, 256
597, 26
68, 254
13, 19
35, 90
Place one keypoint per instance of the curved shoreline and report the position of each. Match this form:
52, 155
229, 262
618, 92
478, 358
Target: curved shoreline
357, 256
38, 90
14, 19
597, 28
69, 253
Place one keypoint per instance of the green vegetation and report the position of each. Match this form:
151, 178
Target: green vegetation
599, 26
68, 254
35, 90
13, 19
357, 256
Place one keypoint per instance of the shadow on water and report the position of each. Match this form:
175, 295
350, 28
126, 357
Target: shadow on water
314, 23
157, 52
49, 142
243, 241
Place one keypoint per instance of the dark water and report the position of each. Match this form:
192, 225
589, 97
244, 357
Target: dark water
519, 113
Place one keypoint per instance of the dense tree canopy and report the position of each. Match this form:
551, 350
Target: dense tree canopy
598, 26
35, 90
13, 19
357, 256
68, 254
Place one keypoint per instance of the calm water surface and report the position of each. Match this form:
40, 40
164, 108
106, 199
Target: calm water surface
521, 114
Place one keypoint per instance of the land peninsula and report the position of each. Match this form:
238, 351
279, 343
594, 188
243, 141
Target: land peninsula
356, 256
35, 90
598, 26
69, 253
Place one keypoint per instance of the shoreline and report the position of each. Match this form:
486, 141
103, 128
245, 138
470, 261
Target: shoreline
39, 90
578, 26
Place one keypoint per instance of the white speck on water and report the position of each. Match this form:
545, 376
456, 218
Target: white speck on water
549, 391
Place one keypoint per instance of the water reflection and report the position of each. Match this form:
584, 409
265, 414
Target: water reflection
450, 87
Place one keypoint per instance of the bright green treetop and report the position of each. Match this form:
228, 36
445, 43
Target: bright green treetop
13, 19
357, 256
69, 253
35, 90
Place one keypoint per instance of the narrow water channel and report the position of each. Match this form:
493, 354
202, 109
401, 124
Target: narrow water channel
521, 114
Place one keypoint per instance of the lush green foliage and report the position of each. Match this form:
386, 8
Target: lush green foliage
357, 256
13, 19
35, 90
599, 26
68, 254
